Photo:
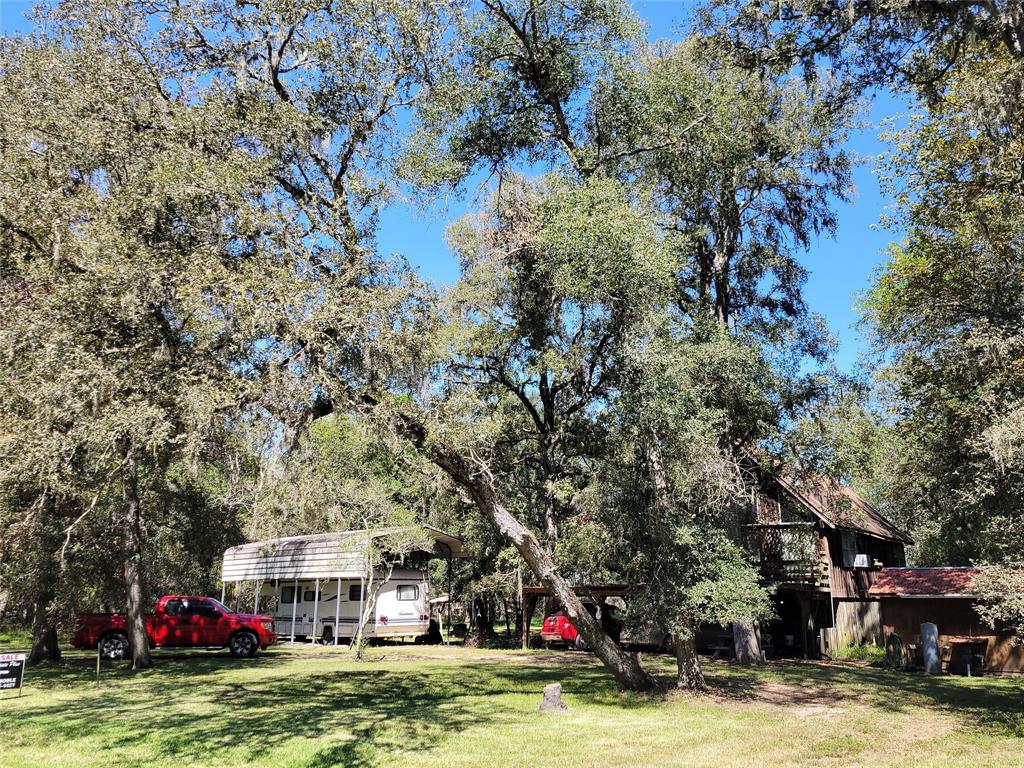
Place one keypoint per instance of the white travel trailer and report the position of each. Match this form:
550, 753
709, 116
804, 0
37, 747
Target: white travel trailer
317, 586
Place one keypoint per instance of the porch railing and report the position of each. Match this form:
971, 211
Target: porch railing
788, 554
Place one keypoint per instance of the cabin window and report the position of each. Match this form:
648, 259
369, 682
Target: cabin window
408, 592
355, 592
287, 595
849, 548
172, 607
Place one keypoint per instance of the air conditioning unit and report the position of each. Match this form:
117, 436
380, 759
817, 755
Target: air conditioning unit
861, 561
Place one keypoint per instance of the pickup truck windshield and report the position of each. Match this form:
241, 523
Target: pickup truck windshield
220, 605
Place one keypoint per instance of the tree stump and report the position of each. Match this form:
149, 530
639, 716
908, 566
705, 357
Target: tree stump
552, 701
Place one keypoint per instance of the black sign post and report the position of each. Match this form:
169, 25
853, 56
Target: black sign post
12, 671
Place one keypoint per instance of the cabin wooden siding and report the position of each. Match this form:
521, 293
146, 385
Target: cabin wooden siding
857, 622
956, 619
769, 510
854, 583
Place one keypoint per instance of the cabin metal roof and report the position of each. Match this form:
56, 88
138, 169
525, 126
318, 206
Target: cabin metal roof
839, 506
925, 582
337, 555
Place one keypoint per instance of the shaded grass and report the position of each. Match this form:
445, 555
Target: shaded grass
414, 706
14, 639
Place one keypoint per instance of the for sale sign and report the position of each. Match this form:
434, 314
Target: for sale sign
12, 670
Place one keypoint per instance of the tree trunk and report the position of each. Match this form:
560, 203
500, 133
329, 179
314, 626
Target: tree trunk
44, 641
44, 633
371, 592
626, 669
508, 623
744, 638
134, 566
689, 674
656, 469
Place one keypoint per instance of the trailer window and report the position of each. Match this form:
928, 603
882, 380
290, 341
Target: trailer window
287, 595
355, 592
408, 592
310, 596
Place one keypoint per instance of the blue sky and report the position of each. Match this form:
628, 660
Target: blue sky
839, 268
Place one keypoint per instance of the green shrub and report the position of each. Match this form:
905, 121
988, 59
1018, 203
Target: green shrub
860, 653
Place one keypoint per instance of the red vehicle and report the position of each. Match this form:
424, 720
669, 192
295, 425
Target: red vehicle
558, 630
179, 621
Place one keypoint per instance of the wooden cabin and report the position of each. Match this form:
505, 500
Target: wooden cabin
946, 597
821, 547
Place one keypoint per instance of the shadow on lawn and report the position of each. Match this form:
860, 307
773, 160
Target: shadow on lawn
995, 704
192, 708
197, 707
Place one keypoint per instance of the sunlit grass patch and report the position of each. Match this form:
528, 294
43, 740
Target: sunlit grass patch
413, 706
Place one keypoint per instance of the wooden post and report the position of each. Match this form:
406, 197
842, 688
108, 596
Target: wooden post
316, 607
806, 624
256, 597
223, 592
359, 621
524, 627
295, 608
337, 611
529, 606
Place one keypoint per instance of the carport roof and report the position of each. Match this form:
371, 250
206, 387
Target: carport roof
338, 554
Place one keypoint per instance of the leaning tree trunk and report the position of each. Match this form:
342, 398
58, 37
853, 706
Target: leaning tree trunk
134, 566
44, 630
689, 674
626, 668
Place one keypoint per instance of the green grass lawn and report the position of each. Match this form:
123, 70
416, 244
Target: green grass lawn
437, 706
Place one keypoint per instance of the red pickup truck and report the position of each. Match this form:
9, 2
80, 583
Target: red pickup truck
179, 621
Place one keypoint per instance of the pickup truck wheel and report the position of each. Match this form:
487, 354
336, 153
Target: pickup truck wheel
115, 646
243, 645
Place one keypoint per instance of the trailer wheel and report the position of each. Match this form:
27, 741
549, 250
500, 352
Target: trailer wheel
327, 636
243, 645
581, 644
115, 646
